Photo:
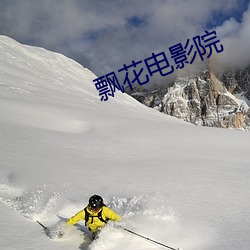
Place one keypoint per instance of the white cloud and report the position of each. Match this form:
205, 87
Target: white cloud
228, 28
236, 41
98, 34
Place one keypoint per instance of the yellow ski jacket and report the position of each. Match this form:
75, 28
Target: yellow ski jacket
94, 223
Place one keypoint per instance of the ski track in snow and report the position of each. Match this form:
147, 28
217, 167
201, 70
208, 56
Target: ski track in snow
145, 214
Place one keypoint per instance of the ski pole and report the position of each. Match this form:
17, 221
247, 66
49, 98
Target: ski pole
146, 238
45, 228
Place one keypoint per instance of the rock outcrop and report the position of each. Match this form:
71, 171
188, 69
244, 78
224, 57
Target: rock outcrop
201, 99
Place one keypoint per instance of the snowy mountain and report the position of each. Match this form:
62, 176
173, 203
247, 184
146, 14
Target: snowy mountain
182, 185
199, 97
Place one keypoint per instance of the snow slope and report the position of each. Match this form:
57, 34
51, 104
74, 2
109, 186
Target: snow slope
176, 183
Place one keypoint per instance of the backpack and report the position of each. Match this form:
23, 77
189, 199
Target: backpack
88, 216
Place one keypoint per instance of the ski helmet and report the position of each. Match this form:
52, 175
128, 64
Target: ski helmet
95, 202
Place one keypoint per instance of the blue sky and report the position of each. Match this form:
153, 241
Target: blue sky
105, 34
219, 16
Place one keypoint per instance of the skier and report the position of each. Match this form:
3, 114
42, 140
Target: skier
95, 214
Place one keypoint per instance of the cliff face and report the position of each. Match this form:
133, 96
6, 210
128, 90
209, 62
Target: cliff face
237, 81
202, 100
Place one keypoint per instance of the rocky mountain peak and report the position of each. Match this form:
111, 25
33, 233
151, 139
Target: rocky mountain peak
198, 96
